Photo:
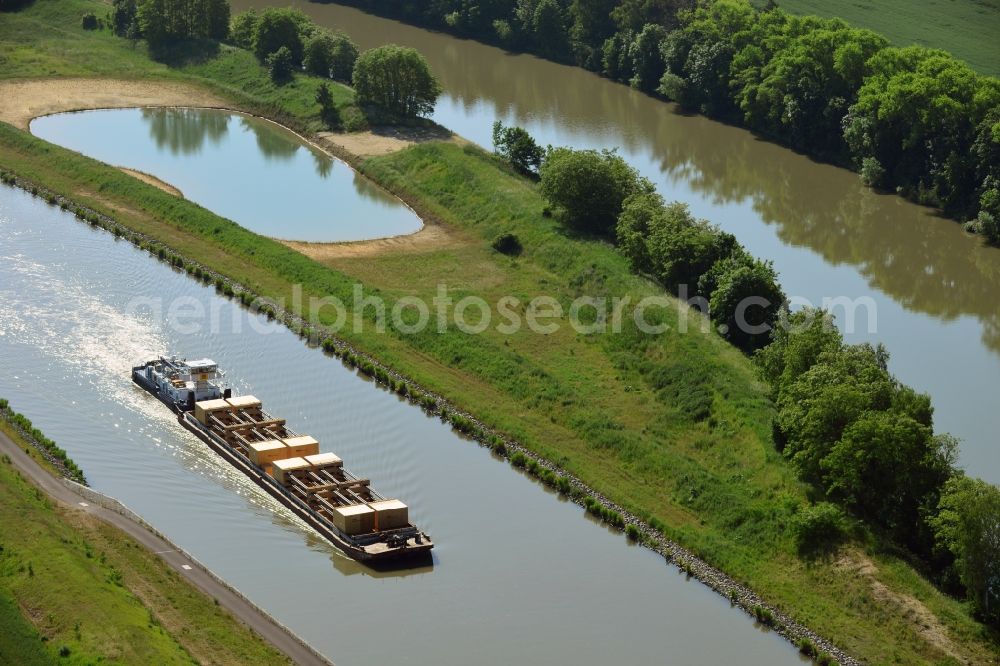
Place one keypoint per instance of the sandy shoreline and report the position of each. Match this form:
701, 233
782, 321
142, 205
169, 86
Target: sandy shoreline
21, 101
428, 237
150, 179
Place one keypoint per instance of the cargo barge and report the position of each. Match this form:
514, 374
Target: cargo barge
341, 507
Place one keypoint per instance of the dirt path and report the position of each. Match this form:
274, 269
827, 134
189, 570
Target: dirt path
150, 179
923, 620
429, 237
246, 612
20, 101
385, 140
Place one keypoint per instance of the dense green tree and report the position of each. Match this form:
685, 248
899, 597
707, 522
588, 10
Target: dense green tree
277, 28
280, 65
816, 406
548, 29
641, 213
157, 24
475, 17
917, 115
589, 186
697, 56
887, 468
162, 22
968, 526
343, 57
746, 302
216, 19
986, 153
591, 20
796, 345
524, 16
328, 112
805, 89
243, 27
330, 55
854, 431
631, 15
989, 227
683, 249
124, 18
647, 57
516, 146
396, 79
616, 56
317, 54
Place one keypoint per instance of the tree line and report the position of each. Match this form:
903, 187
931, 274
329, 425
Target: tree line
866, 443
392, 82
161, 22
599, 193
913, 120
863, 440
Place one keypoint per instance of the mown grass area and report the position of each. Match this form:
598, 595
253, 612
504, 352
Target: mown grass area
75, 590
46, 40
617, 410
969, 29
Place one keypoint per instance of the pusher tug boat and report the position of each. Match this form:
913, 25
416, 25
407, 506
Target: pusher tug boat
315, 486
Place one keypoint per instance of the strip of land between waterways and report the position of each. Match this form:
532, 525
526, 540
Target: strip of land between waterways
738, 594
112, 512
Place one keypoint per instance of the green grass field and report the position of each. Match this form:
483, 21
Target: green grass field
969, 29
75, 590
20, 642
612, 409
46, 40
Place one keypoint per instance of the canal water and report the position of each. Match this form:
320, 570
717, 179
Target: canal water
241, 167
934, 288
519, 576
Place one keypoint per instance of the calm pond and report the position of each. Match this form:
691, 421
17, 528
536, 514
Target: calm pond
519, 576
933, 287
243, 168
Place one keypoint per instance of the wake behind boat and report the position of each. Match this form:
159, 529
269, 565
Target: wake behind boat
343, 508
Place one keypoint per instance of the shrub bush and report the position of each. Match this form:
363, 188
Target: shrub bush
989, 226
872, 173
89, 21
589, 186
507, 243
280, 65
818, 529
763, 615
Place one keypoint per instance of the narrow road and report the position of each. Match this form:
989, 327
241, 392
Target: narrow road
260, 623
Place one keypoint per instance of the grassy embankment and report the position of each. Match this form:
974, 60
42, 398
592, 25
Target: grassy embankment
612, 409
75, 590
966, 28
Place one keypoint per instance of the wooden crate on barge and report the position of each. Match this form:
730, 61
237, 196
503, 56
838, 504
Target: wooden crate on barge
205, 408
319, 480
